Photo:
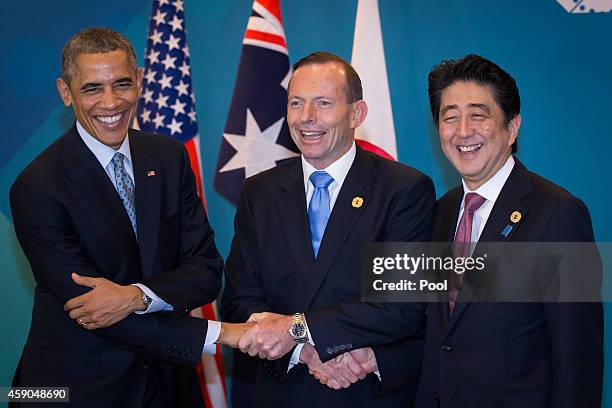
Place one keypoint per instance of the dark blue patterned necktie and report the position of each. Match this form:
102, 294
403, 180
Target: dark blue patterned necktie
318, 209
125, 188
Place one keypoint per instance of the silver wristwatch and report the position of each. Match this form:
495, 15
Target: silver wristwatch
298, 329
146, 300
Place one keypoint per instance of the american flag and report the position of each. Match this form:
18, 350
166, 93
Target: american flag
256, 135
167, 106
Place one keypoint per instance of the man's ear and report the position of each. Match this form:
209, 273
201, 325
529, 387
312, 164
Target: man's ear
513, 126
139, 76
64, 91
359, 113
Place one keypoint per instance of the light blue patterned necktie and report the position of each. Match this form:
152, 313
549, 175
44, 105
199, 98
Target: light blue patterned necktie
318, 209
125, 188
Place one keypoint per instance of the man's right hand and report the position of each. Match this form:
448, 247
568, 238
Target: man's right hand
338, 373
232, 332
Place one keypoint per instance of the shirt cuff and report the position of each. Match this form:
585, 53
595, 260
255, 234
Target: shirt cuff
157, 304
295, 356
310, 339
212, 335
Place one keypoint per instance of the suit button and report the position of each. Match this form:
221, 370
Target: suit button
436, 396
444, 347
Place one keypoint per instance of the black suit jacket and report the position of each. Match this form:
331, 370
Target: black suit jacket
516, 354
68, 218
536, 355
271, 266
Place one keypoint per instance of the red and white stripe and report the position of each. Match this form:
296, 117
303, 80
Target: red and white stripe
266, 31
210, 368
377, 133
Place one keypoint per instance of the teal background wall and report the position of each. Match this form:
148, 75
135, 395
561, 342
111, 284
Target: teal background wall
562, 63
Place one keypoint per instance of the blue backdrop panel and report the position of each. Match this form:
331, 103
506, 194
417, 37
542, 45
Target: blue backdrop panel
562, 62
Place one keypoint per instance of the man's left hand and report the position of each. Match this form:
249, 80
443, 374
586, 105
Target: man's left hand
269, 338
106, 304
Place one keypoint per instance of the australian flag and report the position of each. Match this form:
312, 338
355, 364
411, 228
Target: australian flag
256, 135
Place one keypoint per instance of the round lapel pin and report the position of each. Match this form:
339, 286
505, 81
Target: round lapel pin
515, 216
357, 202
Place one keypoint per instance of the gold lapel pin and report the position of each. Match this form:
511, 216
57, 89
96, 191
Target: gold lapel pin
515, 216
357, 202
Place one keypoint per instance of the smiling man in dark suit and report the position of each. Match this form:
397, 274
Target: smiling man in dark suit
504, 354
494, 354
299, 232
106, 207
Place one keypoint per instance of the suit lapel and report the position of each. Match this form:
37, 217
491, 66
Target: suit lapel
509, 200
342, 219
291, 205
94, 185
148, 177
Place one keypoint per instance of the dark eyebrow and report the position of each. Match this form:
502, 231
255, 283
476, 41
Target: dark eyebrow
90, 85
123, 80
482, 106
93, 85
447, 108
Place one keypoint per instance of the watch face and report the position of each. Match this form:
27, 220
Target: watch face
298, 330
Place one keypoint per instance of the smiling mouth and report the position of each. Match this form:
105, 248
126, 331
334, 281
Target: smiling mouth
312, 134
469, 149
109, 120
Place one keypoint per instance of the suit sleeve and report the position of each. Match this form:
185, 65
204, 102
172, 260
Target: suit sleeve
197, 278
244, 291
576, 329
400, 363
45, 231
349, 326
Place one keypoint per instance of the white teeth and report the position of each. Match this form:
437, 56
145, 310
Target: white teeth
469, 149
312, 134
109, 120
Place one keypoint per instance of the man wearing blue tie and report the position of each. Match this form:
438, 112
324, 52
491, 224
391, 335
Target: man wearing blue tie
299, 231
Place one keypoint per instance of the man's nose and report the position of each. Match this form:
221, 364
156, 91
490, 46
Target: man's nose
109, 99
308, 113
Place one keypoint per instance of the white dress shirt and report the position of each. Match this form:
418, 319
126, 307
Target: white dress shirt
105, 155
490, 191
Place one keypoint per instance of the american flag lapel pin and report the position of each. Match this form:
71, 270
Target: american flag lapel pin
150, 173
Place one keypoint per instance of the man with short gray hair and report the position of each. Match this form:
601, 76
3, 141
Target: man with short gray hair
119, 244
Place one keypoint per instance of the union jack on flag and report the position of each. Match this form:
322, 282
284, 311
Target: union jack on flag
256, 135
167, 106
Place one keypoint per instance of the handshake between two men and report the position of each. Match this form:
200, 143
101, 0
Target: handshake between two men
265, 335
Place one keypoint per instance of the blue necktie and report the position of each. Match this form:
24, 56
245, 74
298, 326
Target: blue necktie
318, 209
125, 188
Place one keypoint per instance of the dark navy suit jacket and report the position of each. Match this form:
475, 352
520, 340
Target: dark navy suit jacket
487, 354
69, 218
271, 267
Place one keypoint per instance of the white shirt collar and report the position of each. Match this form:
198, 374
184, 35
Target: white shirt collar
338, 169
491, 188
104, 153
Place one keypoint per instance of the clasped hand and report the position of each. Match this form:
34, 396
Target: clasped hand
268, 338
